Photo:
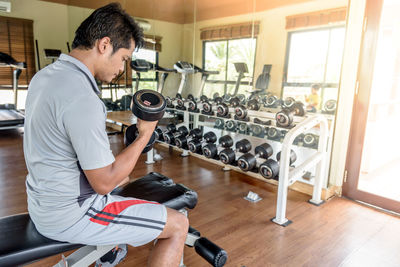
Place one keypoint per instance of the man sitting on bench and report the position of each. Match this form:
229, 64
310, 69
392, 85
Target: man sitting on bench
71, 167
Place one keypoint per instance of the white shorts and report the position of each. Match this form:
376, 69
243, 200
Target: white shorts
113, 220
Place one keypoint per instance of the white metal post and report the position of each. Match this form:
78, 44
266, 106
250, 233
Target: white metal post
321, 166
319, 159
150, 157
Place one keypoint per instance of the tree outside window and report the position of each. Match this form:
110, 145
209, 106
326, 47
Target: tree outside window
221, 56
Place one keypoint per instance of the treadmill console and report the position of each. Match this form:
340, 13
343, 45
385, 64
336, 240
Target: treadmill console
184, 67
141, 65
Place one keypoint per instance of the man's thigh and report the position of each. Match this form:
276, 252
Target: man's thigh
118, 220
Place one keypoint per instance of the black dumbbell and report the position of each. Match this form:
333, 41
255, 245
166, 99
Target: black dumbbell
271, 101
148, 105
219, 124
210, 150
253, 104
205, 103
248, 161
160, 133
228, 155
170, 136
231, 125
274, 134
310, 140
288, 102
270, 168
131, 134
241, 112
299, 139
180, 102
195, 145
235, 101
223, 110
257, 130
330, 106
183, 140
243, 128
284, 118
227, 97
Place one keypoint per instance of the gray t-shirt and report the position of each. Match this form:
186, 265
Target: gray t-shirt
64, 133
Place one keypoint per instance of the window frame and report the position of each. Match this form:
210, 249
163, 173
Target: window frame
156, 79
226, 82
324, 85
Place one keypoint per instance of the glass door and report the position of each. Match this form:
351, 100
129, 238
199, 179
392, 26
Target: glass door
373, 162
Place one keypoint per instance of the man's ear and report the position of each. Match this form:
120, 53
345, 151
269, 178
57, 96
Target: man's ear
104, 44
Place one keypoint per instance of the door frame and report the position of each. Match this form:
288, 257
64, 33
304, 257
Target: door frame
360, 111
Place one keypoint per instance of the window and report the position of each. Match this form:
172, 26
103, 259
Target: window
220, 56
16, 40
148, 80
314, 56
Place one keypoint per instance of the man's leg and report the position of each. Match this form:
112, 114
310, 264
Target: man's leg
169, 246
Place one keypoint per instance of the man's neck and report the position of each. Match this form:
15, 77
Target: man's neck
84, 56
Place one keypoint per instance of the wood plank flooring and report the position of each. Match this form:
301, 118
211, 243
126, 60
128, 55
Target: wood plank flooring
339, 233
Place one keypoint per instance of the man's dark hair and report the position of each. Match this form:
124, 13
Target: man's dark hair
109, 21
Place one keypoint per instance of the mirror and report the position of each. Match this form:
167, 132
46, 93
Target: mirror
287, 46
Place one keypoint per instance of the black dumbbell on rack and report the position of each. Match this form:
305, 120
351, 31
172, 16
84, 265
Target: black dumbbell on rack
274, 134
223, 110
270, 168
210, 150
180, 102
271, 101
285, 117
160, 133
243, 128
182, 140
228, 155
310, 140
248, 161
257, 130
241, 110
219, 124
195, 145
147, 105
170, 136
288, 102
208, 107
330, 107
231, 125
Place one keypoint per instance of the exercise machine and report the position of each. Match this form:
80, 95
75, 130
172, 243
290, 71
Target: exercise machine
141, 65
186, 68
52, 54
10, 117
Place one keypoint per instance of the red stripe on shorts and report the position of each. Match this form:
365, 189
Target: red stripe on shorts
116, 208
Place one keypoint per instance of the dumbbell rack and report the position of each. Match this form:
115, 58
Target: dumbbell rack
288, 175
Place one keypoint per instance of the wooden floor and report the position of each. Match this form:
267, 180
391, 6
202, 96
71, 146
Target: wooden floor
338, 233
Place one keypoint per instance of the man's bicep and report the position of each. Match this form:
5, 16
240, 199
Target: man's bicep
98, 179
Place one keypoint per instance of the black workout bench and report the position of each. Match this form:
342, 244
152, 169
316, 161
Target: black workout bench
21, 243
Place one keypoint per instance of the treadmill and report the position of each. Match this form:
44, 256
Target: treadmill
141, 65
186, 68
10, 117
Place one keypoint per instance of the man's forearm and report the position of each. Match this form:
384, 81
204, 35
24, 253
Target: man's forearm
126, 160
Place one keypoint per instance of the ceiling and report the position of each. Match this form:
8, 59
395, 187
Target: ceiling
182, 11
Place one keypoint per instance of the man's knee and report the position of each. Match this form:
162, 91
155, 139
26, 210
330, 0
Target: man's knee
177, 224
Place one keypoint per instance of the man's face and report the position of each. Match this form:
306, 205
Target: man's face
113, 64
